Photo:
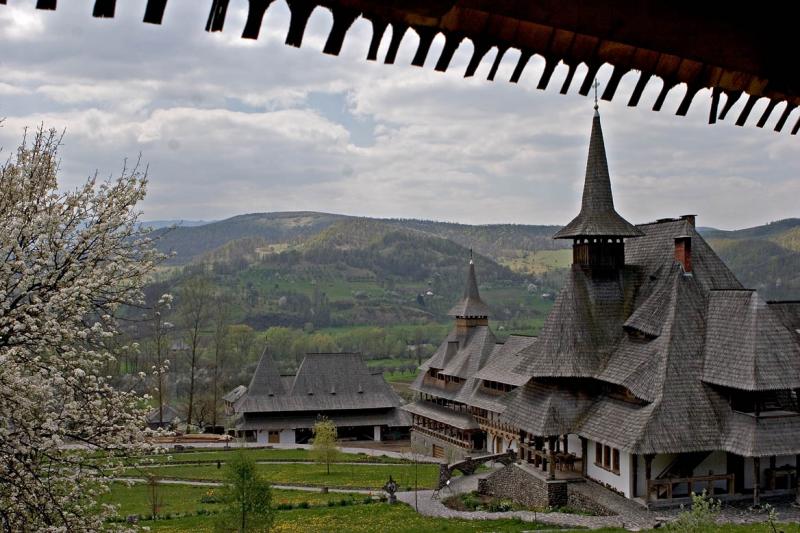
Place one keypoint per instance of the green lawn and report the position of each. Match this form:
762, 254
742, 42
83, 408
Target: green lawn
342, 475
262, 455
400, 376
188, 499
377, 517
355, 517
388, 362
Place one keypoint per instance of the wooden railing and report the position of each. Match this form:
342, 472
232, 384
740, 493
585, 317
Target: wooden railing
506, 428
447, 438
667, 485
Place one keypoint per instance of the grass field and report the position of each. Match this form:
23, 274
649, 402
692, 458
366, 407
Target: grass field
190, 508
539, 262
342, 475
376, 517
299, 454
174, 499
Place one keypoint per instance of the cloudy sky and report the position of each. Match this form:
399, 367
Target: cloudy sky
229, 126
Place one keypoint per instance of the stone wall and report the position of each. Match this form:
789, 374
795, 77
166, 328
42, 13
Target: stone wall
577, 500
520, 484
424, 443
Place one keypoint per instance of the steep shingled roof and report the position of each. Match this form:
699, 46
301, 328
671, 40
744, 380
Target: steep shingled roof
266, 380
324, 381
662, 334
470, 304
597, 216
747, 345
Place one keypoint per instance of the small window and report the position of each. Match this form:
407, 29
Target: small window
607, 457
615, 462
598, 454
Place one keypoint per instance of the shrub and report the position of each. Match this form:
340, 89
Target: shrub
284, 506
499, 506
700, 518
303, 505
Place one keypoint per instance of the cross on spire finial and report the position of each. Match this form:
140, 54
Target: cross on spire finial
596, 85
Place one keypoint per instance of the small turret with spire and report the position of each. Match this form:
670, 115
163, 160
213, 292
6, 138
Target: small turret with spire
470, 310
598, 232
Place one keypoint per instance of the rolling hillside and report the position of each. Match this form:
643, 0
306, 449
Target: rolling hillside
334, 270
766, 258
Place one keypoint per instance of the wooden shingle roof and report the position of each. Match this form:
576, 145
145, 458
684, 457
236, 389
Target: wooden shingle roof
470, 304
597, 217
747, 346
324, 381
671, 339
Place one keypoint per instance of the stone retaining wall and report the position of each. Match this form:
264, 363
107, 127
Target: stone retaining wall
424, 443
520, 485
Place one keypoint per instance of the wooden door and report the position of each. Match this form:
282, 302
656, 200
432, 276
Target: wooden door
438, 452
273, 437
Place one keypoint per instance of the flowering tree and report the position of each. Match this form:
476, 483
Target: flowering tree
324, 449
69, 261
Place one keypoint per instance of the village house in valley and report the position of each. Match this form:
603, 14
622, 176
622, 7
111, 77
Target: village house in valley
656, 373
338, 386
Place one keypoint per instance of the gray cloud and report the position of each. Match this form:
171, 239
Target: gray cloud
231, 126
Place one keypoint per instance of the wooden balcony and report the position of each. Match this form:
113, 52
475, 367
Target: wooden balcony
455, 441
496, 427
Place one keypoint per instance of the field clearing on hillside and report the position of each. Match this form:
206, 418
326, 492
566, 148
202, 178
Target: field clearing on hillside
539, 262
334, 289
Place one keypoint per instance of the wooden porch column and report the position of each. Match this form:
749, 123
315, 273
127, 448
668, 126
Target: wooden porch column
756, 480
566, 443
635, 474
551, 466
797, 478
648, 473
584, 455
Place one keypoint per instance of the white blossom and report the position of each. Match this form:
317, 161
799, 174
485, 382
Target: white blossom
69, 259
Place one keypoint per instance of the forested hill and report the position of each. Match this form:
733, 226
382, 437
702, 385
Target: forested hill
417, 254
333, 271
295, 228
766, 258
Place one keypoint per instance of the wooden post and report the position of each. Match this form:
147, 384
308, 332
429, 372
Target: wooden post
756, 480
566, 443
648, 472
797, 478
584, 455
635, 474
772, 465
551, 467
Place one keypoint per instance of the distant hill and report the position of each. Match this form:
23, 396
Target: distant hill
766, 258
293, 268
190, 243
329, 270
158, 224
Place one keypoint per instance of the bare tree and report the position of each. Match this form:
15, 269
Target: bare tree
222, 312
195, 308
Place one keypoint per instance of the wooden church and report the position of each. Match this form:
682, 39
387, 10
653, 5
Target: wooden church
656, 374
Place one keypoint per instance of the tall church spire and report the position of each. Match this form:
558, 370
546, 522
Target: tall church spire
470, 305
597, 218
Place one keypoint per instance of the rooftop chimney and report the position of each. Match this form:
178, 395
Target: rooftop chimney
683, 252
689, 219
